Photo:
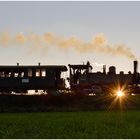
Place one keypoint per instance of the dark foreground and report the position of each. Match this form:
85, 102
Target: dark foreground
96, 124
47, 103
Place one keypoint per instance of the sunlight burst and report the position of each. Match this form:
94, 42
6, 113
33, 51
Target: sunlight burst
120, 93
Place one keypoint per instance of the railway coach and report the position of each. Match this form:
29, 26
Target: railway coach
20, 78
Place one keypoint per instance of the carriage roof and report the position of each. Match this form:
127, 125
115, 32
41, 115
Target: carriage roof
51, 67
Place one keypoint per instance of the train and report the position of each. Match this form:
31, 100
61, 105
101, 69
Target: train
83, 80
48, 78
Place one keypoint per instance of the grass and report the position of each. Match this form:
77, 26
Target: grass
96, 124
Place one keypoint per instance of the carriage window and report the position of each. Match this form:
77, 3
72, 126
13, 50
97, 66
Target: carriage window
43, 72
2, 74
30, 72
38, 73
22, 74
16, 74
8, 74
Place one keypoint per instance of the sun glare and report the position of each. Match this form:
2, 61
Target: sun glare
120, 93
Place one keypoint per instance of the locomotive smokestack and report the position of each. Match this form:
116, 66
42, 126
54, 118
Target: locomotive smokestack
104, 69
135, 66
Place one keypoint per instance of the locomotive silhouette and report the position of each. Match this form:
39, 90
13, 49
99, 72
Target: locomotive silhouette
20, 79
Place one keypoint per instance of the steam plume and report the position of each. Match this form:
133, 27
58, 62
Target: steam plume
98, 44
98, 64
20, 38
5, 39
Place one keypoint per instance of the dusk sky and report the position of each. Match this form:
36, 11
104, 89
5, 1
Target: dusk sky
23, 26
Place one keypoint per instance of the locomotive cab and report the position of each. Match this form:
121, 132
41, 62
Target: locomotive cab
78, 71
78, 76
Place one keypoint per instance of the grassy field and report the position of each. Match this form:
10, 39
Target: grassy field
96, 124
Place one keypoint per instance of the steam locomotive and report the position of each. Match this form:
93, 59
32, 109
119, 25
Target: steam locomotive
82, 79
20, 79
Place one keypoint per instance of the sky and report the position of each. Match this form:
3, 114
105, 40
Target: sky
54, 32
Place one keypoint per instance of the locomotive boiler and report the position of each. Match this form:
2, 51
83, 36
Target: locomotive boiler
82, 79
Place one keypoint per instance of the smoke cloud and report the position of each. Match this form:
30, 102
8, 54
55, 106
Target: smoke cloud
5, 39
97, 44
98, 64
